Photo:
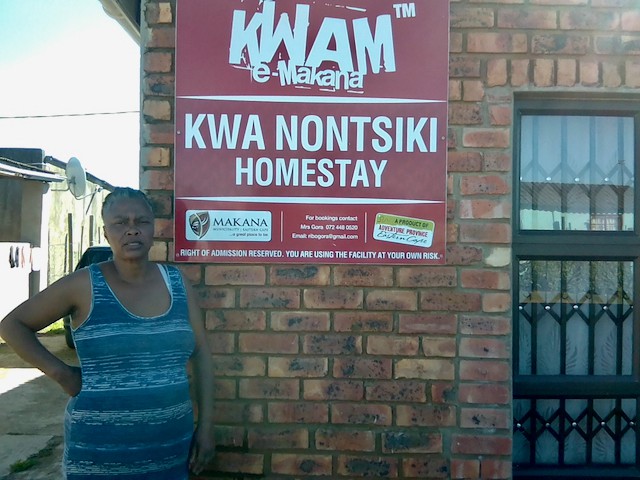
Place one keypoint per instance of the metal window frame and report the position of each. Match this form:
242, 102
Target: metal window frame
576, 245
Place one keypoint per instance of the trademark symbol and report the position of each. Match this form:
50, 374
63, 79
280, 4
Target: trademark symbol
405, 10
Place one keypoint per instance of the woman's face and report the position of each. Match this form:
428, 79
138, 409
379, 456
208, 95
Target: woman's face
128, 227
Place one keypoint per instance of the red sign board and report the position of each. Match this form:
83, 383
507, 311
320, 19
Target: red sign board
311, 132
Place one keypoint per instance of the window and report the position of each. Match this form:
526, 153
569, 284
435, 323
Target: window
576, 251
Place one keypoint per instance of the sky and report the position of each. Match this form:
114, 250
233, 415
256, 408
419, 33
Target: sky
66, 71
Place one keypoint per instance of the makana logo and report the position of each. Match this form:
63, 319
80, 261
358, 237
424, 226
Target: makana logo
199, 223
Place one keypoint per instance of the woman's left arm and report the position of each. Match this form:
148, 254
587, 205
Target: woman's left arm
203, 446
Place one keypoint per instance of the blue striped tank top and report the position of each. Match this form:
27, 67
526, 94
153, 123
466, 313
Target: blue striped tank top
133, 418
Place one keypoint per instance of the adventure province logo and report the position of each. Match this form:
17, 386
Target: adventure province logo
273, 48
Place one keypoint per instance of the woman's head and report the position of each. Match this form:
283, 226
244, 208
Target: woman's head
124, 193
128, 223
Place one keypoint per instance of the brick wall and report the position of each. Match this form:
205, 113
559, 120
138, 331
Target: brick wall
350, 371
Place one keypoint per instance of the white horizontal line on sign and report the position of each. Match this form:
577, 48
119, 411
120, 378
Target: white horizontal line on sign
320, 200
293, 99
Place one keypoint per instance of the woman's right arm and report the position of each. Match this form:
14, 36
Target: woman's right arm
20, 326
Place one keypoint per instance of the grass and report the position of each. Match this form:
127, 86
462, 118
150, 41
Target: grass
23, 465
56, 328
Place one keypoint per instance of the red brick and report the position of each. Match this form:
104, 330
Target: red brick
485, 325
463, 255
589, 73
464, 162
426, 277
269, 388
333, 298
160, 179
394, 300
472, 90
496, 42
485, 209
484, 370
484, 347
543, 72
463, 66
368, 466
277, 438
496, 162
567, 72
158, 133
426, 415
224, 389
484, 393
396, 391
496, 72
280, 298
630, 21
392, 345
238, 462
455, 90
425, 466
363, 322
468, 17
611, 75
268, 343
298, 367
485, 233
158, 13
522, 19
301, 412
361, 414
161, 37
333, 390
301, 464
235, 320
481, 445
430, 369
450, 301
559, 44
496, 302
300, 275
495, 469
485, 279
237, 412
465, 469
228, 365
439, 347
486, 137
234, 275
211, 298
159, 62
442, 392
222, 342
463, 113
589, 19
430, 323
158, 85
362, 276
155, 157
410, 441
320, 344
227, 436
162, 206
484, 185
500, 115
520, 72
300, 321
370, 368
163, 228
156, 110
485, 418
345, 440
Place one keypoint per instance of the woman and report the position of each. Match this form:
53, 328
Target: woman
135, 325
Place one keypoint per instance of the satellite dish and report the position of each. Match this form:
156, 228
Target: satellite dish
76, 177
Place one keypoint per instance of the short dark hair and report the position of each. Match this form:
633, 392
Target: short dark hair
120, 193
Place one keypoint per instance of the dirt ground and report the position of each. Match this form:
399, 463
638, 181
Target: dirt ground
31, 409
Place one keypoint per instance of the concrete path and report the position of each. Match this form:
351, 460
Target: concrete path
31, 409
